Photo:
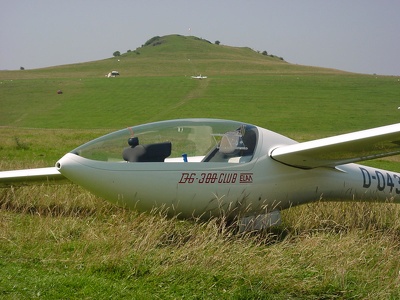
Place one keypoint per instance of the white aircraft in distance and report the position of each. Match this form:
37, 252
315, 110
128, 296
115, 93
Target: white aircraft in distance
203, 168
199, 77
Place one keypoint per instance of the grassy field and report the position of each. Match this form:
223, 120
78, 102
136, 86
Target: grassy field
61, 242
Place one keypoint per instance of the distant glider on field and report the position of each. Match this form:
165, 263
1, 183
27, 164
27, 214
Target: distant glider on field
199, 77
112, 74
203, 168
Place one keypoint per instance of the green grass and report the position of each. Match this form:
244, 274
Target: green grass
287, 103
59, 242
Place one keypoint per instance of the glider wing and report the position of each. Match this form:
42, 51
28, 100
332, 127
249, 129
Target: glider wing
341, 149
30, 176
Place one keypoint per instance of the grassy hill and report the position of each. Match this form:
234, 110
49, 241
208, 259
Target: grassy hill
155, 84
175, 55
61, 242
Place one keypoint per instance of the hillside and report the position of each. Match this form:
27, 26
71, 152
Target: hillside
175, 55
155, 84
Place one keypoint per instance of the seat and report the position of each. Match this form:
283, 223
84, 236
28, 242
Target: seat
234, 149
250, 140
148, 153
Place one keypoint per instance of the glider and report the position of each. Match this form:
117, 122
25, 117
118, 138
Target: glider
204, 168
199, 77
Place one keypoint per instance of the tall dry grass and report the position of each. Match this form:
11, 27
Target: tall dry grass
322, 250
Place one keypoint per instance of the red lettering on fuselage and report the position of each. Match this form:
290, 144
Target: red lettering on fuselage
227, 178
246, 177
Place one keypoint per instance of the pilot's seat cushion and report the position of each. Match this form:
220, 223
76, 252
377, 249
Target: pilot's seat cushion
148, 153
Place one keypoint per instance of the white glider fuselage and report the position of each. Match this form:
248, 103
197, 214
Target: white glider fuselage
206, 189
206, 168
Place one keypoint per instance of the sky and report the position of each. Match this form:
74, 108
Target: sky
361, 36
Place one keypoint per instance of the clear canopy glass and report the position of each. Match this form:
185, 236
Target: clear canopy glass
186, 140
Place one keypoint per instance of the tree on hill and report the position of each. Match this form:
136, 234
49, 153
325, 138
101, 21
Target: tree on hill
217, 42
117, 53
154, 41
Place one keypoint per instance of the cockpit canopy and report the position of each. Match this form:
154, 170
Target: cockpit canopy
186, 140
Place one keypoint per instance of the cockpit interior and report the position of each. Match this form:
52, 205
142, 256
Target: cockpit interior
187, 140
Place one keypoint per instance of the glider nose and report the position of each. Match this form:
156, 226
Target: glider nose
76, 168
82, 172
68, 167
60, 164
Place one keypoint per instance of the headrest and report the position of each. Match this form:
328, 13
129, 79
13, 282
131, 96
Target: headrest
133, 141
